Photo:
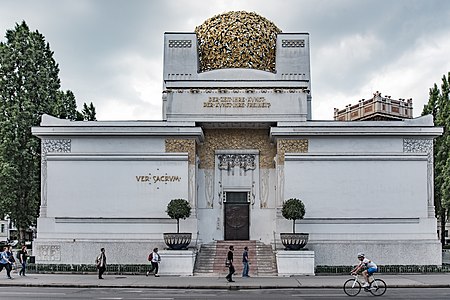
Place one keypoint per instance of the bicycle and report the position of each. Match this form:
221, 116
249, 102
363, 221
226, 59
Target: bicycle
352, 287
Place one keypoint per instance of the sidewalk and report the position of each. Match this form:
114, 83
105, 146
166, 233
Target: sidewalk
441, 280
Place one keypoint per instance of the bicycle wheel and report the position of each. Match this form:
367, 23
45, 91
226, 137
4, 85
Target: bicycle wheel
352, 287
378, 287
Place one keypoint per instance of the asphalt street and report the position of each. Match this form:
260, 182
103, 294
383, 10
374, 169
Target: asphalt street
53, 293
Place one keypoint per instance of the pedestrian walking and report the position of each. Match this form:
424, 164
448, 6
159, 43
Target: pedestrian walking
5, 263
22, 257
155, 260
229, 263
245, 263
11, 258
100, 261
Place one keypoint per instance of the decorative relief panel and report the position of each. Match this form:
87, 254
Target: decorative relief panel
62, 145
419, 146
264, 188
292, 43
243, 161
237, 90
236, 139
290, 146
182, 145
424, 146
49, 146
180, 43
209, 188
49, 252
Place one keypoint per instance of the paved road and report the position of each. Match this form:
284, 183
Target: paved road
441, 280
41, 293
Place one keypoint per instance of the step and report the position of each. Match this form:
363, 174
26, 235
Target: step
211, 258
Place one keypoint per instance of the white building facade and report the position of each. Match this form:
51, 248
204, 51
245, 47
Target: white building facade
236, 140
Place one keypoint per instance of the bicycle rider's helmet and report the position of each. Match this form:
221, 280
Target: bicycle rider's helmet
360, 255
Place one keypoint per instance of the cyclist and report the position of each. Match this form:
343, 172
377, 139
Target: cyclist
370, 266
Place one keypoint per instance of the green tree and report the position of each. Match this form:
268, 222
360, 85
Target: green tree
65, 106
88, 112
293, 209
178, 209
439, 106
29, 87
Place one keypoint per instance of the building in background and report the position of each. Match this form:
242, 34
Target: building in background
4, 231
377, 108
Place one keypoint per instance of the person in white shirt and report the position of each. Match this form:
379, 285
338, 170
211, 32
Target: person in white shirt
370, 266
155, 260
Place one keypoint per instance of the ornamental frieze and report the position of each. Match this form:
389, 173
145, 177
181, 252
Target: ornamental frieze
290, 146
424, 146
419, 146
236, 139
61, 145
243, 161
237, 91
181, 145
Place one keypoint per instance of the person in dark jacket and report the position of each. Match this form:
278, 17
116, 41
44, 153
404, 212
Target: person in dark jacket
22, 256
231, 269
101, 263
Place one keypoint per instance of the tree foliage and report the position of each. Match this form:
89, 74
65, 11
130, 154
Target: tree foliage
293, 209
88, 112
29, 87
178, 209
439, 106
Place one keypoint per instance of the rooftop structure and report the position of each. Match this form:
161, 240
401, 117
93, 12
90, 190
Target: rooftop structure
377, 108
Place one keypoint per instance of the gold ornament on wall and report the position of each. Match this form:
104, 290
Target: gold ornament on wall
236, 139
181, 145
237, 39
290, 146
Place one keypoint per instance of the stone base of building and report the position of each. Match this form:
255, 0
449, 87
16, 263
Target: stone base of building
382, 252
118, 252
295, 263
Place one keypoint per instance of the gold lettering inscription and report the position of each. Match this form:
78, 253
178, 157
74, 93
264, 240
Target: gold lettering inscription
166, 178
142, 178
158, 178
236, 102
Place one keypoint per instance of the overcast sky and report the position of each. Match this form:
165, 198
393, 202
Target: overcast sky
110, 52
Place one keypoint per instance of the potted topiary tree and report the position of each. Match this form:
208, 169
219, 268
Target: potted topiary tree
178, 209
293, 209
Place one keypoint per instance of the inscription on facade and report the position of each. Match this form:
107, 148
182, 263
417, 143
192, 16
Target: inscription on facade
237, 102
157, 178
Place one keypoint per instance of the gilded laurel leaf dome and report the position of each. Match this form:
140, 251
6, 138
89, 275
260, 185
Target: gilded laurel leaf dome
237, 39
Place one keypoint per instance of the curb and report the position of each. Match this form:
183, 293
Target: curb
212, 287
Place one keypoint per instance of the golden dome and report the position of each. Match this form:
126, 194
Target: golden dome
237, 39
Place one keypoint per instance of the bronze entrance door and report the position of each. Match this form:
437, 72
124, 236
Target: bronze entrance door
237, 216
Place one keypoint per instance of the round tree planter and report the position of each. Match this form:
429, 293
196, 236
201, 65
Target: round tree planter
177, 241
294, 241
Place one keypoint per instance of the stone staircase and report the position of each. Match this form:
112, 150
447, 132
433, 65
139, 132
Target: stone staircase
211, 259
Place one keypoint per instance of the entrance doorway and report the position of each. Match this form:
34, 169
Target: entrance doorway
237, 216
